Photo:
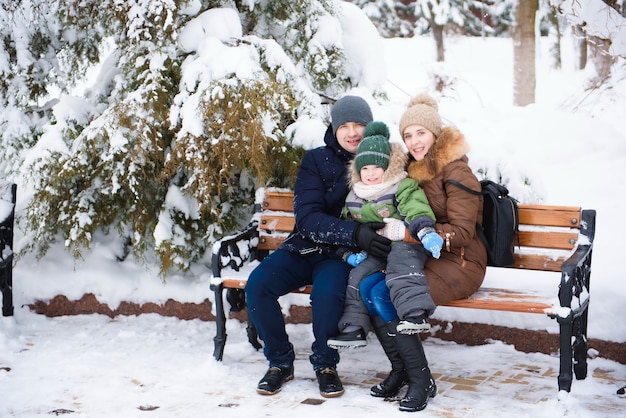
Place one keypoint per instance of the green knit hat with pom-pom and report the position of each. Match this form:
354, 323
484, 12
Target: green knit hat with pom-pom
375, 148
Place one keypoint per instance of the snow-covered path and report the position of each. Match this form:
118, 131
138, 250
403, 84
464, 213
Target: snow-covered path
152, 366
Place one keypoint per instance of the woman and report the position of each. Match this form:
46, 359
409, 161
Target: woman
436, 154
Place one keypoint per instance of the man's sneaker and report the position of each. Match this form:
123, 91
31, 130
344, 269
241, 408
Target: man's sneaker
330, 385
352, 339
413, 325
273, 380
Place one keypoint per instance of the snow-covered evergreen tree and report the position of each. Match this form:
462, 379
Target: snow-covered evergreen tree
192, 105
472, 17
391, 17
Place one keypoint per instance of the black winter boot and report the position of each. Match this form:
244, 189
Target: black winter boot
422, 386
329, 382
397, 377
273, 380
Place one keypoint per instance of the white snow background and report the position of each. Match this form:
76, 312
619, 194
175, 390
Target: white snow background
570, 146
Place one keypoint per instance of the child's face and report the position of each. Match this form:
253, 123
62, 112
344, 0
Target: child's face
372, 174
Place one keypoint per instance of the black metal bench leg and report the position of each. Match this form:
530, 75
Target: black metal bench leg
6, 284
565, 344
253, 336
220, 324
580, 346
6, 261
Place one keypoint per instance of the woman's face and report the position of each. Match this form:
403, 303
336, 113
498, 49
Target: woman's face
418, 141
349, 135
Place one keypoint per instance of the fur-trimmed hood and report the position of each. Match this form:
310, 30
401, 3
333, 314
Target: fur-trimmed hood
449, 146
394, 173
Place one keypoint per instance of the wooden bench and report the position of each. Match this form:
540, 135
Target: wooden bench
551, 238
7, 216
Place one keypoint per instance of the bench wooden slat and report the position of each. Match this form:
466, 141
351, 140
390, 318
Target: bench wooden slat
537, 262
278, 201
504, 300
484, 298
494, 305
270, 242
281, 223
540, 215
240, 284
545, 215
525, 261
556, 240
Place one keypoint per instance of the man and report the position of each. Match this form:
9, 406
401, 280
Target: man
309, 256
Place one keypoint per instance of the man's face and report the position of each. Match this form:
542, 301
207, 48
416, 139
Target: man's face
349, 135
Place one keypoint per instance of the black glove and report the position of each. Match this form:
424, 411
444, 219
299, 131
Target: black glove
367, 239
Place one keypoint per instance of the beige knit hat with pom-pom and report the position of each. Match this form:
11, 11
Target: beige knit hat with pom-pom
422, 110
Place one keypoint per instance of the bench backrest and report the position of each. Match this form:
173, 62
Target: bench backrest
548, 234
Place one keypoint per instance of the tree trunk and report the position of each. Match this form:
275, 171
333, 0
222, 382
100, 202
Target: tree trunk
581, 47
438, 35
524, 80
555, 38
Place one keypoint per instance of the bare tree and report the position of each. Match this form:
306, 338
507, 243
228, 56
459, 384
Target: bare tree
581, 46
602, 60
524, 80
437, 35
555, 35
435, 12
603, 25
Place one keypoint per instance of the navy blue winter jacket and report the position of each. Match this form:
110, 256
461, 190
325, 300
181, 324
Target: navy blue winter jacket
319, 196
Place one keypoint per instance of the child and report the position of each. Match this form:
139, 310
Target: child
381, 190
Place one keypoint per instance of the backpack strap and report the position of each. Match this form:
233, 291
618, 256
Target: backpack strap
464, 187
479, 226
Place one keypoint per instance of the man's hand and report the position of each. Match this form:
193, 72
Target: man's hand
367, 239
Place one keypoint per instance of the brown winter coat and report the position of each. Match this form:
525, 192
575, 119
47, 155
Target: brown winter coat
460, 270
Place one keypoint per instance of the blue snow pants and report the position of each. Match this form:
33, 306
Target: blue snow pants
375, 294
282, 272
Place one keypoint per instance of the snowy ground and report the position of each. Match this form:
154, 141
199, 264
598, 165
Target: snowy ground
150, 366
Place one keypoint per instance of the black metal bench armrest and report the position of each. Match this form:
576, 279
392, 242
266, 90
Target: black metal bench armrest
574, 287
576, 270
232, 251
235, 251
574, 300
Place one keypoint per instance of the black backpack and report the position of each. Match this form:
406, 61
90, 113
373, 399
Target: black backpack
500, 225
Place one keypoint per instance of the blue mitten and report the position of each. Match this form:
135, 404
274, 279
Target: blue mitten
433, 243
356, 259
